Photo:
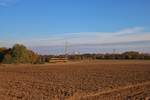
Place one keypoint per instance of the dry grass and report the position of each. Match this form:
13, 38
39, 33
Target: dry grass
86, 80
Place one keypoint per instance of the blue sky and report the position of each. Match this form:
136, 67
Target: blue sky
52, 22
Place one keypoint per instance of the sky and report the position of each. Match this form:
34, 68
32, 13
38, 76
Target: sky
45, 24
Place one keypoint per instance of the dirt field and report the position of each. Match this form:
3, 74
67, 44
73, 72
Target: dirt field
86, 80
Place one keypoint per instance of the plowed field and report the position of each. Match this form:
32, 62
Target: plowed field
85, 80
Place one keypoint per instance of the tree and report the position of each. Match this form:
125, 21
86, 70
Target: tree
1, 56
19, 54
7, 59
3, 52
131, 55
33, 57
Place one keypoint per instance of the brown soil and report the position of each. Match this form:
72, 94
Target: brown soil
86, 80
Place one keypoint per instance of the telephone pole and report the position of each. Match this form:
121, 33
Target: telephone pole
114, 51
66, 49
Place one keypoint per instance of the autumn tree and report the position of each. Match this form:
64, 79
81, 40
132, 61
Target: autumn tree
3, 52
18, 54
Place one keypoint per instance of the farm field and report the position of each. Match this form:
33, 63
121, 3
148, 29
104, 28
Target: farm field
84, 80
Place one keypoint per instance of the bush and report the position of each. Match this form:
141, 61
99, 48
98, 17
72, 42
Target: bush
18, 54
7, 59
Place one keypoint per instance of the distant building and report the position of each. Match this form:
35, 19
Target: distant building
55, 60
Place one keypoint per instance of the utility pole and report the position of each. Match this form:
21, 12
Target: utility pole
66, 49
114, 51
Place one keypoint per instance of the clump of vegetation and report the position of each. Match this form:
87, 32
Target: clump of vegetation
129, 55
18, 54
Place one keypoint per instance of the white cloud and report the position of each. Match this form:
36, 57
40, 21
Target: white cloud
124, 35
130, 31
6, 3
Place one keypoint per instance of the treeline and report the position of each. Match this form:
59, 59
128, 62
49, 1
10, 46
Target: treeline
126, 55
18, 54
